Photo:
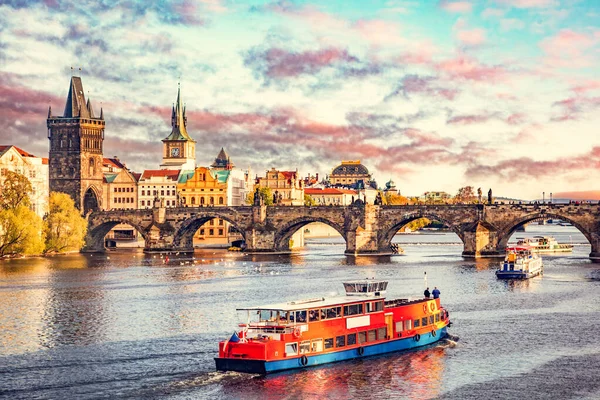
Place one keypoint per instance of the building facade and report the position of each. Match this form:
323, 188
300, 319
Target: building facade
179, 149
286, 186
35, 169
75, 156
351, 174
158, 183
332, 196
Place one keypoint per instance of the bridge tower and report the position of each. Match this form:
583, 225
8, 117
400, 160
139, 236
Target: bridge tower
179, 149
75, 155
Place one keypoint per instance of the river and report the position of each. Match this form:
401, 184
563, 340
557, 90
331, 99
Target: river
129, 325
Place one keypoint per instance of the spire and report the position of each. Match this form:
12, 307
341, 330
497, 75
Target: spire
76, 105
179, 120
89, 108
223, 161
101, 113
49, 111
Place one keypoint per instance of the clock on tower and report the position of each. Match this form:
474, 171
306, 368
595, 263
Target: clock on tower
174, 151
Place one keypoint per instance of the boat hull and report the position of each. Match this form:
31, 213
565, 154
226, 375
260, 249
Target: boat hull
266, 367
516, 274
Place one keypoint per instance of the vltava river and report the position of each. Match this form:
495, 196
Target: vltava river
129, 325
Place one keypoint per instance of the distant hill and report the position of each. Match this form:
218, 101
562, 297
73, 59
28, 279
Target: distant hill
592, 195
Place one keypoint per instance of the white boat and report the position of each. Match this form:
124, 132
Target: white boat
520, 263
545, 244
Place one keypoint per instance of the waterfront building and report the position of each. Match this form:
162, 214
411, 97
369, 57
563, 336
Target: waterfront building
35, 169
161, 184
351, 174
179, 149
285, 185
120, 190
435, 197
332, 196
75, 156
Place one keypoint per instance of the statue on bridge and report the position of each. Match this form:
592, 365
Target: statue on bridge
479, 193
378, 200
258, 199
490, 196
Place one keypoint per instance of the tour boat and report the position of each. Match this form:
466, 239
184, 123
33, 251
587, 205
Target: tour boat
520, 263
311, 332
545, 244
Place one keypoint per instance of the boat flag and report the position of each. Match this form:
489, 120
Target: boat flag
234, 338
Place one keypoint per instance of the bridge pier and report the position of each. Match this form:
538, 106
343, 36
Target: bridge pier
481, 241
595, 242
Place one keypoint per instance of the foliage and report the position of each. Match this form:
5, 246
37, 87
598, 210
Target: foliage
21, 231
417, 224
465, 195
64, 226
395, 199
15, 192
309, 201
266, 194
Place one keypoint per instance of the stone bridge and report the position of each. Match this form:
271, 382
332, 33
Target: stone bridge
367, 229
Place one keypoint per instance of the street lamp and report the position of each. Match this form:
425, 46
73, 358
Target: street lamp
543, 197
550, 197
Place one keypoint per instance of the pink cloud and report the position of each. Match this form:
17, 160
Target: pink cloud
586, 86
414, 84
573, 107
456, 6
471, 37
528, 135
570, 49
464, 67
468, 119
516, 119
527, 3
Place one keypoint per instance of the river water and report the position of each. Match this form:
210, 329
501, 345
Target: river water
130, 325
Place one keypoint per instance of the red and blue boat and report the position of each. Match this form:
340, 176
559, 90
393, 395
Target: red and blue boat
317, 331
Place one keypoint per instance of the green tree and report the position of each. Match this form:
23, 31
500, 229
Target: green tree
417, 224
309, 201
64, 226
21, 231
15, 191
266, 194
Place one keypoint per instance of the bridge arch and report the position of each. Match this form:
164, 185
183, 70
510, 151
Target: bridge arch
284, 233
97, 232
506, 232
387, 234
184, 234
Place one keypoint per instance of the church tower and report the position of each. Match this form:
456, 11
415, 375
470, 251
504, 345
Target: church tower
179, 149
75, 156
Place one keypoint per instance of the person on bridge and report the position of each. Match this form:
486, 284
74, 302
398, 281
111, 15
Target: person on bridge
436, 293
426, 293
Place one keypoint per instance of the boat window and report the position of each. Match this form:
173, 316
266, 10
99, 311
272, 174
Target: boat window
269, 315
437, 317
340, 341
351, 339
372, 335
417, 323
329, 343
353, 309
374, 306
431, 320
382, 333
424, 321
291, 349
399, 327
313, 315
332, 312
301, 316
362, 337
316, 345
304, 346
408, 325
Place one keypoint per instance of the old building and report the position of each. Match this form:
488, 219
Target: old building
158, 183
332, 196
435, 197
33, 168
75, 156
179, 149
351, 174
120, 186
287, 187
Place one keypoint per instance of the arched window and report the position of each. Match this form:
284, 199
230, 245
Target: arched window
193, 200
220, 200
202, 200
92, 167
212, 201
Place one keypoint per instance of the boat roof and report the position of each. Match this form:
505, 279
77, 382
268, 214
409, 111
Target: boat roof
313, 303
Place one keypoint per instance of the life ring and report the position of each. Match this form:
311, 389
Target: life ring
304, 361
425, 308
432, 306
433, 333
417, 337
361, 351
297, 332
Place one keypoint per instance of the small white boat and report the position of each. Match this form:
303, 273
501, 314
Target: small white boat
545, 244
520, 263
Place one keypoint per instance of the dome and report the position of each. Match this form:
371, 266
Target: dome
390, 184
354, 168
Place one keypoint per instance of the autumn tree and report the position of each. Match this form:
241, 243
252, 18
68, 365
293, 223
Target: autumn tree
15, 191
465, 195
395, 199
309, 201
64, 226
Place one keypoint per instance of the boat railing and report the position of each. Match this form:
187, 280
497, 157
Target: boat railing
397, 302
267, 329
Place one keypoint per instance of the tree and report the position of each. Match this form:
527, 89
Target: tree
64, 226
465, 195
309, 201
395, 199
21, 231
265, 193
15, 192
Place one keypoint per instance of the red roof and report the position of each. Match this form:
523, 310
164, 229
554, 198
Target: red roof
114, 162
331, 191
288, 174
136, 176
22, 152
172, 174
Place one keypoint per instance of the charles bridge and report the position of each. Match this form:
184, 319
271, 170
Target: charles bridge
367, 229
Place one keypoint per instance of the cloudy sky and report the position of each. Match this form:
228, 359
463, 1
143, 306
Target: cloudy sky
432, 94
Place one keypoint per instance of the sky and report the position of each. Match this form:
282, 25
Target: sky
434, 95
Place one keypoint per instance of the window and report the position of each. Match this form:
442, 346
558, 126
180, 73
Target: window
375, 306
211, 232
305, 346
202, 231
333, 312
408, 325
431, 317
313, 315
362, 337
316, 345
417, 323
143, 192
340, 341
291, 349
382, 333
437, 317
372, 335
220, 222
221, 234
351, 339
162, 192
220, 200
353, 309
143, 203
212, 200
115, 190
193, 200
424, 321
328, 343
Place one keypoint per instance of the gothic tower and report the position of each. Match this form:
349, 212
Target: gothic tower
179, 149
75, 156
